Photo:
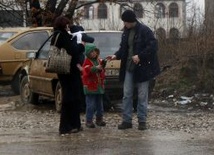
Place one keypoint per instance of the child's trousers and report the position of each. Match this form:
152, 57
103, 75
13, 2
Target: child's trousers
94, 105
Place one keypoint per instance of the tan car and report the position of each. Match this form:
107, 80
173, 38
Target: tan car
14, 44
7, 33
35, 82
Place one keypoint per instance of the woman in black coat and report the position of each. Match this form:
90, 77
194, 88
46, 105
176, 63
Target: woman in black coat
71, 83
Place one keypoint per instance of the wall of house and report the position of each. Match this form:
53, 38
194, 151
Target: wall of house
159, 21
165, 22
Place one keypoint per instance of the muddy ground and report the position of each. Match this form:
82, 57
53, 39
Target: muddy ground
172, 130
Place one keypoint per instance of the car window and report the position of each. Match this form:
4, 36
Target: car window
107, 42
43, 52
31, 41
5, 35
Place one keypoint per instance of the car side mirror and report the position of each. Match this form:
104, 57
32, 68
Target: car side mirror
31, 55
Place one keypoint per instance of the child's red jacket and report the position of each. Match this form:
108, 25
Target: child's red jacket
93, 79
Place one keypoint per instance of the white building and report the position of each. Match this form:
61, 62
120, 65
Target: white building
167, 18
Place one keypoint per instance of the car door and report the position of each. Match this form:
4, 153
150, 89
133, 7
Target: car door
42, 82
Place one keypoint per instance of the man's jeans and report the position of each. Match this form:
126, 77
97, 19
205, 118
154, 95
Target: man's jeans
94, 103
142, 103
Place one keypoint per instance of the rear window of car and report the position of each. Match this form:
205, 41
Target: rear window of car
5, 35
31, 41
107, 42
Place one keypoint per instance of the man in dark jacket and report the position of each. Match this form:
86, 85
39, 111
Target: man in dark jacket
139, 64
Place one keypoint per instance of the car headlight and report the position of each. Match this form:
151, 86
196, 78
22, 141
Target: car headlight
112, 72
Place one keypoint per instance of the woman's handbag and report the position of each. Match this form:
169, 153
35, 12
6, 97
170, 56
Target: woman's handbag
59, 60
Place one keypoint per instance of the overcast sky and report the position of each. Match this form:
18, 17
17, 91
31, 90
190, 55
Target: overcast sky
199, 3
195, 6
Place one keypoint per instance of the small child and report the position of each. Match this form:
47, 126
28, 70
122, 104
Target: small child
93, 77
103, 61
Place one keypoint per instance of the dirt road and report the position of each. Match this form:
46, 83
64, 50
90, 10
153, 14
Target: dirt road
29, 130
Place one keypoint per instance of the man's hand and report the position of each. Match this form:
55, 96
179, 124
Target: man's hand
111, 57
136, 59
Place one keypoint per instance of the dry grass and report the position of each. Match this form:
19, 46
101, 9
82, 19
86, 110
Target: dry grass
191, 64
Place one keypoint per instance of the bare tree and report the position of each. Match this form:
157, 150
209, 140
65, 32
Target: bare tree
9, 15
40, 13
53, 8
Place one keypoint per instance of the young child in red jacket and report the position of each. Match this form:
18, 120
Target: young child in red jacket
93, 76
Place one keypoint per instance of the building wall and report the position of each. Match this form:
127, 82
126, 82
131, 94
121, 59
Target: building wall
113, 21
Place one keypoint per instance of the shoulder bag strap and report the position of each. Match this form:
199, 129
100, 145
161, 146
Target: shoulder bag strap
56, 39
37, 53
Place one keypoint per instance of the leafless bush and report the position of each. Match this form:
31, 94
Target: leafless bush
191, 58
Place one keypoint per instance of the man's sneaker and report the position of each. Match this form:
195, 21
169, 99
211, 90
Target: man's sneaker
90, 125
124, 125
100, 122
142, 126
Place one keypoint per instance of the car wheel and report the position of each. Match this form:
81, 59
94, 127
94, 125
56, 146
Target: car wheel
58, 97
27, 96
15, 84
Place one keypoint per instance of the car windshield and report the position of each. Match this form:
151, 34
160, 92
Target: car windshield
107, 42
5, 35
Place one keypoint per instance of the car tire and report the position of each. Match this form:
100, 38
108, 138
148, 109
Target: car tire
27, 96
15, 84
58, 97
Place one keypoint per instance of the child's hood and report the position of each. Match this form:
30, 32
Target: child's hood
89, 48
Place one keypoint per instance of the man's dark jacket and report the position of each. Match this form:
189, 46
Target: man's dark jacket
145, 46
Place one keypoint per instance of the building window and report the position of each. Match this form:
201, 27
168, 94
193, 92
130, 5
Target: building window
89, 12
161, 34
159, 10
138, 9
174, 33
173, 10
102, 11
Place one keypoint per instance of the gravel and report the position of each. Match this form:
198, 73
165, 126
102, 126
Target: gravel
30, 119
43, 118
